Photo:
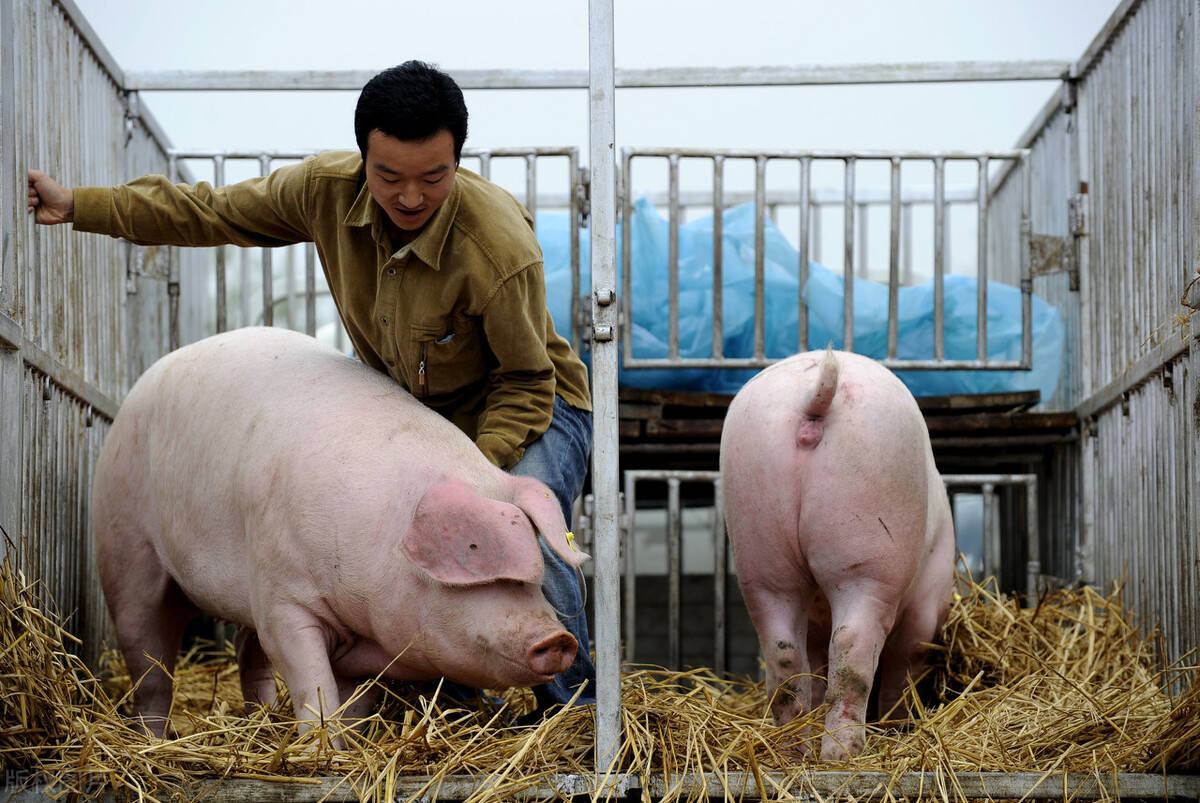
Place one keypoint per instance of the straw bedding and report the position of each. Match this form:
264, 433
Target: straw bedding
1067, 686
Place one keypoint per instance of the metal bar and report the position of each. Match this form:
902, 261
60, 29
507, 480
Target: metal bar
753, 362
485, 165
310, 289
720, 579
673, 258
981, 343
760, 257
626, 318
832, 155
674, 572
531, 187
1026, 265
629, 542
173, 274
718, 312
802, 245
268, 288
70, 381
893, 329
1033, 547
848, 260
662, 77
991, 534
906, 244
222, 278
605, 467
863, 224
1141, 371
939, 258
574, 180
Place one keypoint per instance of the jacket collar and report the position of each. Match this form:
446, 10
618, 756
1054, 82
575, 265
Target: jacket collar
429, 244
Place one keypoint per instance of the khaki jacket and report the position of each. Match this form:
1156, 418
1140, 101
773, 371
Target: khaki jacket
458, 316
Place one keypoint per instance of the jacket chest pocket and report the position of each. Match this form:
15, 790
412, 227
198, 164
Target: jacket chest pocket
449, 354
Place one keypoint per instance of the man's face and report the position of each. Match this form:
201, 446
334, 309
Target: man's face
410, 178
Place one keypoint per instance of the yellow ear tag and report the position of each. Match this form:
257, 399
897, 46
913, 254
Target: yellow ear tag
571, 541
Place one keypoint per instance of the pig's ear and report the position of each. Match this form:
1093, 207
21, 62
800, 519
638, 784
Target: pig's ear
460, 538
543, 510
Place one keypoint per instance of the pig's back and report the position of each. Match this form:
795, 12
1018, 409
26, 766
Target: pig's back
261, 444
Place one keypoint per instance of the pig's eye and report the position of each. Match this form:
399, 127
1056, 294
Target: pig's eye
474, 546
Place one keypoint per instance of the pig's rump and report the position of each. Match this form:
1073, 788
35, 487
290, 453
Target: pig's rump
831, 494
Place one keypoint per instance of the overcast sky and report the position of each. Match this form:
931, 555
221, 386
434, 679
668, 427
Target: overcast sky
549, 34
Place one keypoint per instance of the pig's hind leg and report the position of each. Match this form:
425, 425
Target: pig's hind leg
149, 612
861, 619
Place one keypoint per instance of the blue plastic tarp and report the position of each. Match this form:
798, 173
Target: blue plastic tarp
822, 295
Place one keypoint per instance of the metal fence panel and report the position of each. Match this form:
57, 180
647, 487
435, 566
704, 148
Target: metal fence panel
72, 338
1138, 130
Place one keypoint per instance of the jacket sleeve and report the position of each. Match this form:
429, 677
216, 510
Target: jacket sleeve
265, 211
520, 402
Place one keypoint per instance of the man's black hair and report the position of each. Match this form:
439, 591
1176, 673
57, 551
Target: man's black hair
412, 101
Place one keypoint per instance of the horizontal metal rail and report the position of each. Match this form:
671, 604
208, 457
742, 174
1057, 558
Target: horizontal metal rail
960, 786
645, 78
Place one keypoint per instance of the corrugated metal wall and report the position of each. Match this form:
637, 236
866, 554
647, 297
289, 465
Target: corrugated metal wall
1138, 107
72, 335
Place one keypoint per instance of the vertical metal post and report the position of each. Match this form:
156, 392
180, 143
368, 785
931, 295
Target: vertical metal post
1026, 264
863, 222
939, 258
720, 579
991, 534
674, 575
718, 341
222, 278
310, 289
848, 260
1033, 547
629, 542
605, 466
893, 325
804, 216
760, 261
673, 256
12, 175
268, 289
531, 186
982, 261
574, 188
626, 257
173, 273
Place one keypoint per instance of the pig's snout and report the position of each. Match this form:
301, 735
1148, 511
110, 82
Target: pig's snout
553, 654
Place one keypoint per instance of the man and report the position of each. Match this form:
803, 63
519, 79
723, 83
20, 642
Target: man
436, 274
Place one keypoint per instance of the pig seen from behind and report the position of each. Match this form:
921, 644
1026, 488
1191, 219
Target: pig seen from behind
841, 534
266, 479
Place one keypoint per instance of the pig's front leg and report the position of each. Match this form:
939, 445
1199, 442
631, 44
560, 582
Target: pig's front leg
254, 669
299, 644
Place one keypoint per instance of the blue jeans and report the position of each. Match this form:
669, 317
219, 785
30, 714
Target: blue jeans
560, 459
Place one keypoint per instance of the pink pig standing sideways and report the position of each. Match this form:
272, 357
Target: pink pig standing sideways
841, 534
268, 480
